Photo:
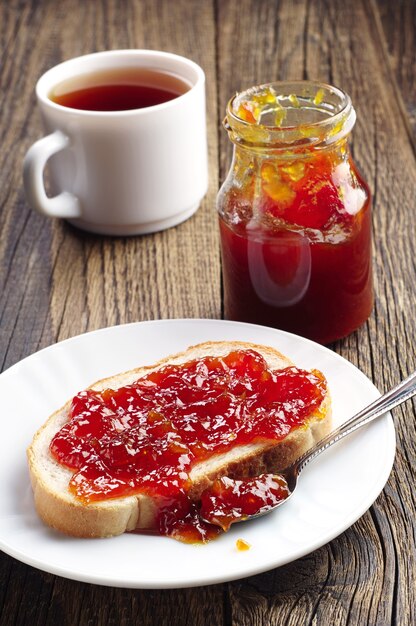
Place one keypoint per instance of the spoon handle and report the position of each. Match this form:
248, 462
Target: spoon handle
402, 392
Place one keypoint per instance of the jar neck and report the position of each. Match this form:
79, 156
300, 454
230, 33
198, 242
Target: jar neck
290, 119
337, 151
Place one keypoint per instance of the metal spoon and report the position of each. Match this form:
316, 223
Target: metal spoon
399, 394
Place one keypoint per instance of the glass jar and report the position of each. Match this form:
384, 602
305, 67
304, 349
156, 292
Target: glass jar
294, 213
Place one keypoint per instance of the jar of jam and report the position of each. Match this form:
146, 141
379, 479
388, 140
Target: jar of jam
294, 213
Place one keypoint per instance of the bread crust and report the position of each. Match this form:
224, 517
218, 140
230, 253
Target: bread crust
59, 509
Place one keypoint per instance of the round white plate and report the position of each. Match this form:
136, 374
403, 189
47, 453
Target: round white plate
333, 492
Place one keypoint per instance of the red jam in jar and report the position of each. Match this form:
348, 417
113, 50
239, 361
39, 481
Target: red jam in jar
295, 217
146, 437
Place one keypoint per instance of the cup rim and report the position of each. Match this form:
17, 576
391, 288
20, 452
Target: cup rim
46, 83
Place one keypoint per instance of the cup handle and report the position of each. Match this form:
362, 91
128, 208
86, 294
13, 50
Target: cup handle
65, 204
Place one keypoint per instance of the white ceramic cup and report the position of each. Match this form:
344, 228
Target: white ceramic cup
121, 172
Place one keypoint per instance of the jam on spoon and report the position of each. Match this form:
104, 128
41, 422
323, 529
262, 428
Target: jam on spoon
228, 501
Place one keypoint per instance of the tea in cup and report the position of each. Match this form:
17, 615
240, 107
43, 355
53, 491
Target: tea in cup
126, 145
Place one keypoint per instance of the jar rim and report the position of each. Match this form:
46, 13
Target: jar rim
315, 113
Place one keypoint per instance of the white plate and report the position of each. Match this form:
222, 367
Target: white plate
334, 491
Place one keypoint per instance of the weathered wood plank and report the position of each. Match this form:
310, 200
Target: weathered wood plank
365, 575
56, 282
398, 20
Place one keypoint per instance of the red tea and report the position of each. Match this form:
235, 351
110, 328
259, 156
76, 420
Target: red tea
119, 89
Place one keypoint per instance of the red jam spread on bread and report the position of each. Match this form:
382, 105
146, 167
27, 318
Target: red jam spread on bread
146, 437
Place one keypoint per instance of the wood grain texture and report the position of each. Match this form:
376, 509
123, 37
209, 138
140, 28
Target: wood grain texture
56, 282
398, 20
369, 579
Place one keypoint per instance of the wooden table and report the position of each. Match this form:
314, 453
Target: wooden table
57, 282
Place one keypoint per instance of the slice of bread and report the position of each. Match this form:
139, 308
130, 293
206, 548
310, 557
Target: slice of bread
61, 510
